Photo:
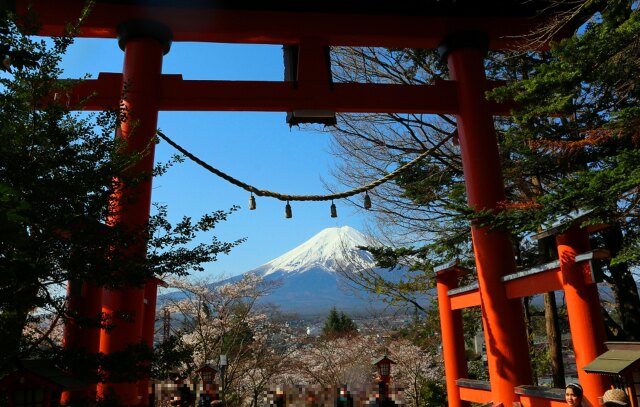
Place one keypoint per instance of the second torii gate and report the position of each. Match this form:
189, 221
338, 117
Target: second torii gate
462, 30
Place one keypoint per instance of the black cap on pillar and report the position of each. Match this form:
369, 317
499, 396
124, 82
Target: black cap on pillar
141, 28
463, 39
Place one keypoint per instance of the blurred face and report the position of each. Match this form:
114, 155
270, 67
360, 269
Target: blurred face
572, 399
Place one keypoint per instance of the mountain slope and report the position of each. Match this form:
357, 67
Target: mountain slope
309, 276
309, 280
331, 249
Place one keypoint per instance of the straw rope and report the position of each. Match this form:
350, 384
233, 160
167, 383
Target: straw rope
287, 197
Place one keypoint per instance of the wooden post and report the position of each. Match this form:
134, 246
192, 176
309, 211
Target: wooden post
503, 318
583, 309
453, 350
144, 43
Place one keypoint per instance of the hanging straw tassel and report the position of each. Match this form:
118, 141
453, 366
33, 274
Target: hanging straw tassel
287, 211
252, 202
367, 201
334, 212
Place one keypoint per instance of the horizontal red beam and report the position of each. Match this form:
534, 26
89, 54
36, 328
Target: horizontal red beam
282, 97
537, 280
466, 300
548, 281
269, 27
527, 401
475, 395
206, 95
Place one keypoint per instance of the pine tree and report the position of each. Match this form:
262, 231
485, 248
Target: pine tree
579, 113
338, 324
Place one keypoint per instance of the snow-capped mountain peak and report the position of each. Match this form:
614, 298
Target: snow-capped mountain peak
330, 249
313, 277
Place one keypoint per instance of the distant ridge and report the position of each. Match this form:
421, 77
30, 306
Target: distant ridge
310, 276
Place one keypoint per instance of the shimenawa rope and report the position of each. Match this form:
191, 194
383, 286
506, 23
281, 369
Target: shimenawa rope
285, 197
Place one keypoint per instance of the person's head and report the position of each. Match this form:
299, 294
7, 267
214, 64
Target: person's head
615, 398
573, 394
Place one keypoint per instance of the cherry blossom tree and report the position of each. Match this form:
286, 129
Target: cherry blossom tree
228, 319
414, 370
331, 362
338, 360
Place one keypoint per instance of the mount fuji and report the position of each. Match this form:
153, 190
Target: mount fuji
310, 278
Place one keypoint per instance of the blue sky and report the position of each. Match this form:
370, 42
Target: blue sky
257, 148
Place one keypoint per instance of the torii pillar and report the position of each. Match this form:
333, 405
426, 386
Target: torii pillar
144, 43
453, 351
502, 318
583, 309
84, 300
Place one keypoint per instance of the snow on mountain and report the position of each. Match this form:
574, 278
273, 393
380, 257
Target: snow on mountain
310, 277
330, 249
309, 280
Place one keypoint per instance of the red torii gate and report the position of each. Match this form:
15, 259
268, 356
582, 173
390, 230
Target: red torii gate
573, 273
462, 30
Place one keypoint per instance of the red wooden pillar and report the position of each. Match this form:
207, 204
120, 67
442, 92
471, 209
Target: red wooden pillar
503, 318
148, 330
455, 361
144, 43
84, 300
583, 309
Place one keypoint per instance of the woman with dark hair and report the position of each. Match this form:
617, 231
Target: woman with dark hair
573, 395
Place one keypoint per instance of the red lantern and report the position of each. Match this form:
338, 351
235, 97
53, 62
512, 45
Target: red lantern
208, 374
383, 365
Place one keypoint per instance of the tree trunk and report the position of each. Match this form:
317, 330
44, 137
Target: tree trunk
554, 339
624, 287
529, 324
552, 326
